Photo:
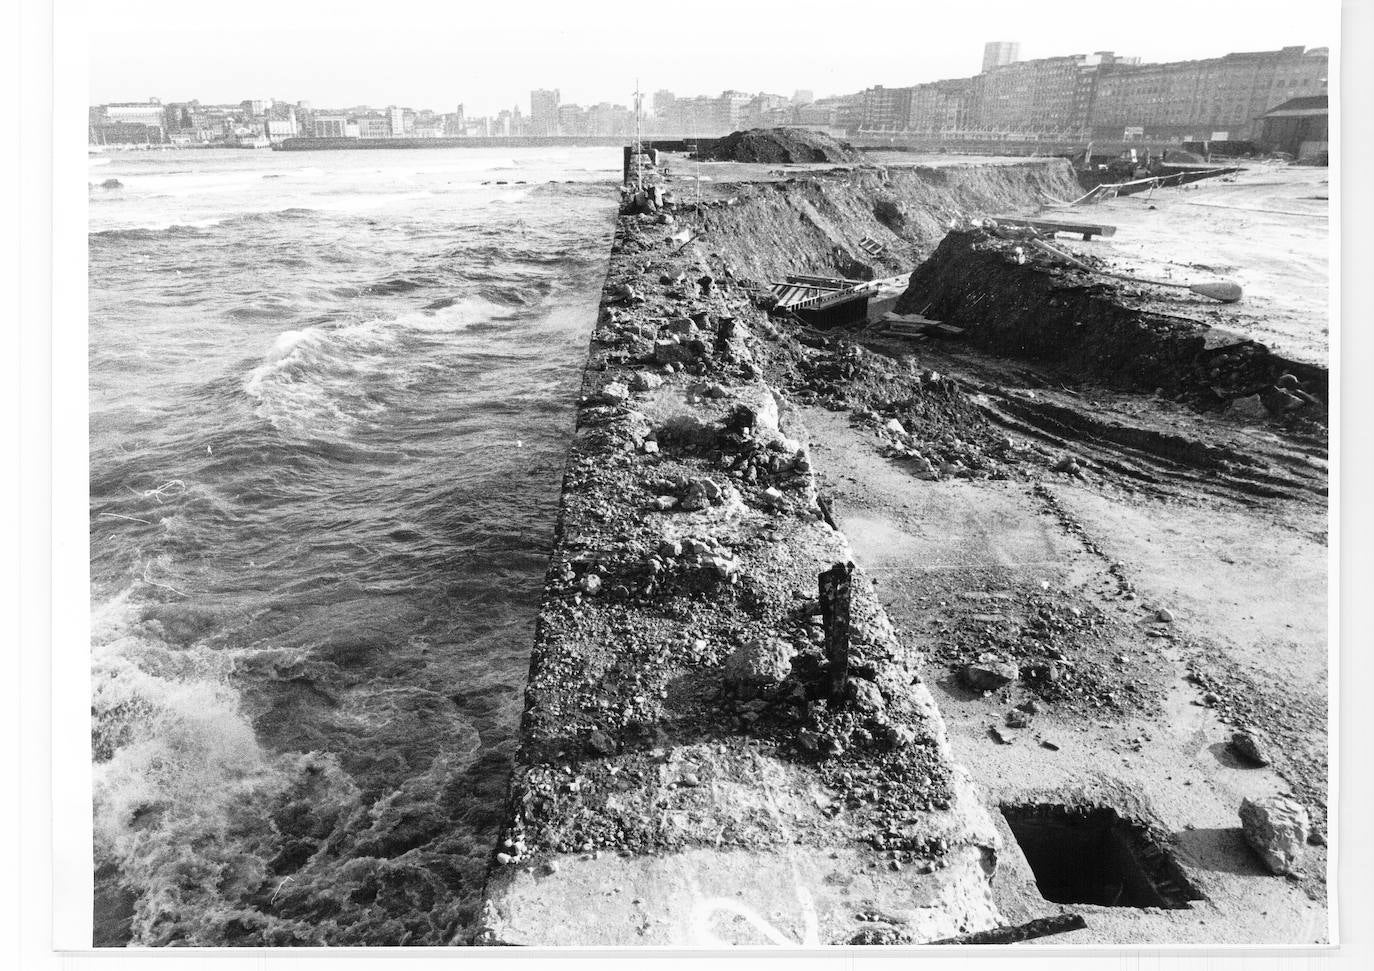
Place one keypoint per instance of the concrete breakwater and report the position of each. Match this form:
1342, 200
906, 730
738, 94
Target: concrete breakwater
687, 773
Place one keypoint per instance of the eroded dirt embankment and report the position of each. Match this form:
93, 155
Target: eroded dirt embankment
814, 223
1015, 301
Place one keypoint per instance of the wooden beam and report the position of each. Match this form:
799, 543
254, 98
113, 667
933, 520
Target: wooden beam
1052, 226
1040, 927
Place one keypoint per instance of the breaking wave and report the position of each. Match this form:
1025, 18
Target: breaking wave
327, 380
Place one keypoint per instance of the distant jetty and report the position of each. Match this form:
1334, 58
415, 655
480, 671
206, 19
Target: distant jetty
503, 141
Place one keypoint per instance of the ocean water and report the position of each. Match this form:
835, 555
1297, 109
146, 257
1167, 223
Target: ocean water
330, 395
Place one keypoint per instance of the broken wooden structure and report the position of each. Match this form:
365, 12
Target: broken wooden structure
824, 302
872, 247
916, 326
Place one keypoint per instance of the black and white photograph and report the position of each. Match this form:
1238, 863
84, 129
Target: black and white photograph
699, 477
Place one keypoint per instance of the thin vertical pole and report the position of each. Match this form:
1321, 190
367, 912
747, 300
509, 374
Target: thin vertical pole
639, 147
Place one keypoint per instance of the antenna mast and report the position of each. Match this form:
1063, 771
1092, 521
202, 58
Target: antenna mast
639, 148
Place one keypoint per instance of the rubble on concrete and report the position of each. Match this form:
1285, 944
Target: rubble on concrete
679, 709
690, 687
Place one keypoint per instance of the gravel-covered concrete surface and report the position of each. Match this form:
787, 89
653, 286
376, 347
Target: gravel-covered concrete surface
1074, 583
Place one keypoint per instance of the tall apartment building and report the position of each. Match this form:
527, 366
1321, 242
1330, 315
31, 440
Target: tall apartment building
150, 114
331, 126
377, 126
818, 114
767, 111
572, 120
885, 109
1218, 98
998, 53
544, 111
1043, 96
132, 122
848, 110
280, 129
605, 118
730, 110
941, 106
694, 117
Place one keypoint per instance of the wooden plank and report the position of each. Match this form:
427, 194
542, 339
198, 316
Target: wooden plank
829, 282
1087, 230
892, 317
893, 328
1011, 934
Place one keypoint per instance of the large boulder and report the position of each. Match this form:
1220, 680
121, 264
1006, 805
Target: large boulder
1276, 829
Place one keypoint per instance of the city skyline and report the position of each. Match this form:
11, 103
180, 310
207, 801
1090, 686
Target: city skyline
488, 64
1104, 95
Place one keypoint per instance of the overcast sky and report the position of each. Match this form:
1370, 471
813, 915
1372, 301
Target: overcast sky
426, 54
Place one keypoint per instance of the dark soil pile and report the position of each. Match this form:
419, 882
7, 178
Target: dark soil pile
775, 145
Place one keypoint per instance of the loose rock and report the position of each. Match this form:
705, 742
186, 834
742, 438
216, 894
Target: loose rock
758, 663
1276, 829
1251, 747
990, 675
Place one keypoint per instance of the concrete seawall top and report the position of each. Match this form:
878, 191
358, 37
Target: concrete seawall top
687, 776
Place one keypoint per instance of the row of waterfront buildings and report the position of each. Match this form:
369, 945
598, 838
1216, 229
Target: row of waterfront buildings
1099, 96
1075, 97
264, 122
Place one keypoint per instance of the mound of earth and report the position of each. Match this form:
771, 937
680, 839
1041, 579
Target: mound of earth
780, 145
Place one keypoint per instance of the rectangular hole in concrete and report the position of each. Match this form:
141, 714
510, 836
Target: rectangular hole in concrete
1091, 855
